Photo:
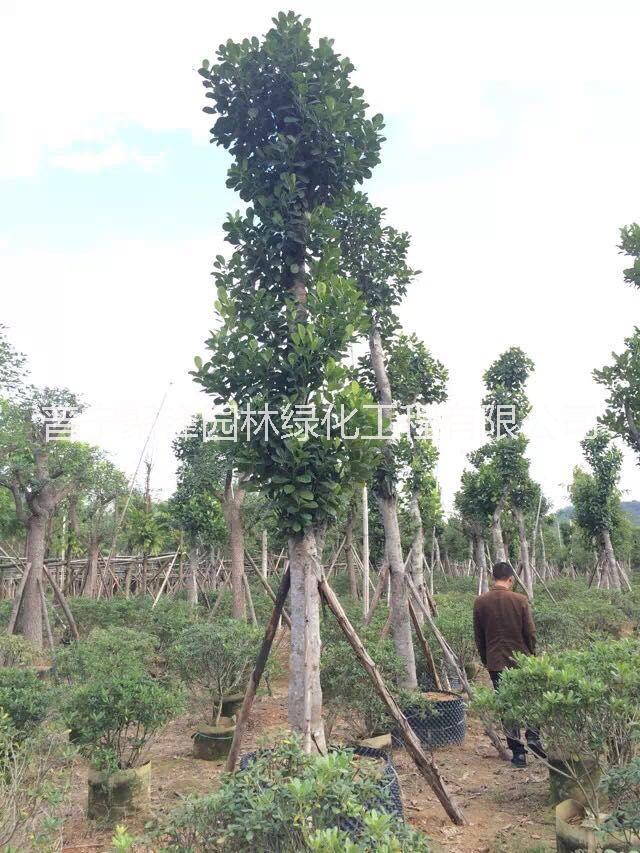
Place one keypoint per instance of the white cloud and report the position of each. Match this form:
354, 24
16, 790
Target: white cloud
520, 250
99, 160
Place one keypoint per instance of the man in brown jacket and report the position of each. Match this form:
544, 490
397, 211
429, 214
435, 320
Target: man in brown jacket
503, 625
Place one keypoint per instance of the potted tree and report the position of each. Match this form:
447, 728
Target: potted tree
216, 659
587, 705
114, 718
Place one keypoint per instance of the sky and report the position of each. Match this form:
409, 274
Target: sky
511, 158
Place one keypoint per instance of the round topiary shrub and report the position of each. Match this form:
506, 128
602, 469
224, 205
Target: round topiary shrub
216, 658
23, 697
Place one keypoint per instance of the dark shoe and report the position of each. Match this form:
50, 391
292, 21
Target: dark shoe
519, 761
536, 748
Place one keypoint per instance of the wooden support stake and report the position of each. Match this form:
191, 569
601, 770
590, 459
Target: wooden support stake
269, 591
45, 615
256, 675
249, 597
166, 578
17, 601
423, 762
62, 601
424, 645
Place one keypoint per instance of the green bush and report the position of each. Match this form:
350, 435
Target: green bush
168, 619
24, 697
288, 801
104, 651
35, 774
114, 717
347, 690
586, 703
622, 788
216, 657
455, 621
16, 651
90, 613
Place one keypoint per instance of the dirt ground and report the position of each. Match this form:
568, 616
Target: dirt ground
506, 809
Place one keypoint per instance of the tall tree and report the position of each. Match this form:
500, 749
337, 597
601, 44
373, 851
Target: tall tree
205, 497
300, 137
375, 256
596, 499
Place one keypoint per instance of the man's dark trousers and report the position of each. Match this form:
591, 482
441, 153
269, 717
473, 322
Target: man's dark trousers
513, 734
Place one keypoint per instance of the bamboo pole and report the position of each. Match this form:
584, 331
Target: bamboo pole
249, 597
423, 762
166, 578
424, 645
62, 601
45, 615
17, 600
256, 675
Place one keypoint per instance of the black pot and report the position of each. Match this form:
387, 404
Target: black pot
441, 723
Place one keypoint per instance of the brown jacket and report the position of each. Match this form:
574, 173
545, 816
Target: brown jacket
503, 625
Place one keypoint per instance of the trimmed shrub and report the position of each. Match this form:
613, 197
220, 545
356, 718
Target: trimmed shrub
289, 801
114, 717
105, 651
217, 658
24, 698
16, 651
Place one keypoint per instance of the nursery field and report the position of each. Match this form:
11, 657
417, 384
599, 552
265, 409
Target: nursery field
293, 640
505, 809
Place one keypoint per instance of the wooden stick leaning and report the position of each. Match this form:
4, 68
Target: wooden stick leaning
426, 650
164, 582
380, 586
17, 599
256, 675
269, 591
45, 615
62, 601
423, 762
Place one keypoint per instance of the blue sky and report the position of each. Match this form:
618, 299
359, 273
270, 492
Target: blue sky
512, 142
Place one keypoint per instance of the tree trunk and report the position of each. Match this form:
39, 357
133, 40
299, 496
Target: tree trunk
29, 619
527, 573
305, 693
400, 618
496, 534
481, 562
417, 549
192, 583
610, 562
90, 581
232, 510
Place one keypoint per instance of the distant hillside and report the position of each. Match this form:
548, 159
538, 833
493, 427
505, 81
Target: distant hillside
631, 508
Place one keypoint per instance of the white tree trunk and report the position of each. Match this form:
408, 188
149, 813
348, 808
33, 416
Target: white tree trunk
305, 693
417, 551
610, 563
481, 562
400, 618
527, 573
496, 534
